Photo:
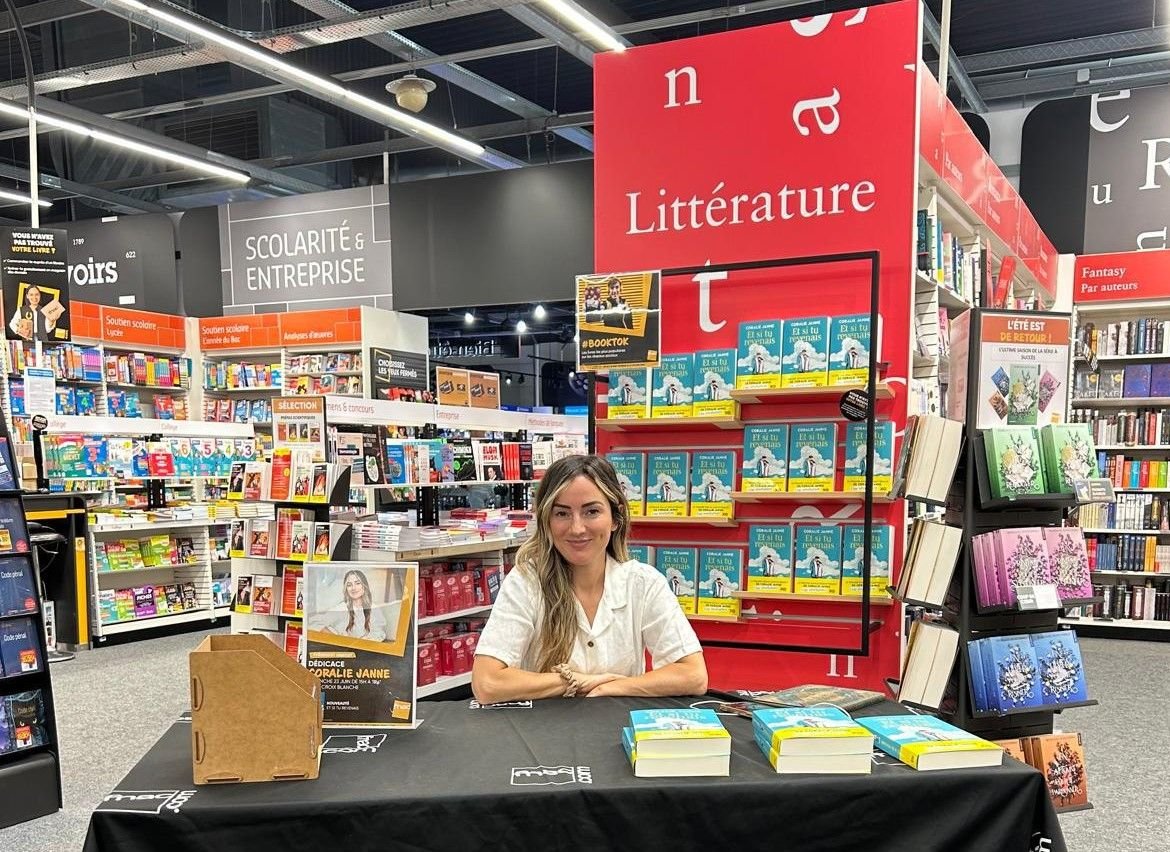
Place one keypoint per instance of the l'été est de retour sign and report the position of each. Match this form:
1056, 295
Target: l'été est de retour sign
788, 140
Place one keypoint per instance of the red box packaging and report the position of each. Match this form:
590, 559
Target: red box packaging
466, 589
434, 632
438, 597
428, 669
451, 581
446, 658
469, 644
421, 597
453, 655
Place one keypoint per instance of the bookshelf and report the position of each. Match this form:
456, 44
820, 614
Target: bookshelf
1118, 384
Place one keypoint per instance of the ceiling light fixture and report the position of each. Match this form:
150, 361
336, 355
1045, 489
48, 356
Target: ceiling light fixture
539, 313
411, 91
21, 111
468, 318
323, 87
17, 198
521, 326
596, 31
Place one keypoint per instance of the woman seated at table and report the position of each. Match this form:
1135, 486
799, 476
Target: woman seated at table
576, 616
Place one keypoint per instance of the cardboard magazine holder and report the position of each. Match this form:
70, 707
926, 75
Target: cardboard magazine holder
256, 715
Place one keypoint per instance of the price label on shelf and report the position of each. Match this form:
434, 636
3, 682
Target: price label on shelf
1038, 597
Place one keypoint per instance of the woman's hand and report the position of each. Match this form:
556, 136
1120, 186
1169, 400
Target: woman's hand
589, 684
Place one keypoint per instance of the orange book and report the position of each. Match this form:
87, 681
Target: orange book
1014, 748
281, 487
292, 592
1061, 760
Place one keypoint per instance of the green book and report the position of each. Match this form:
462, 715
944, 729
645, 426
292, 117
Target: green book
1068, 455
1013, 461
1023, 394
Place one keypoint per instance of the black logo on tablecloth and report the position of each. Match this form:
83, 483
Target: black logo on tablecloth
539, 776
353, 743
145, 801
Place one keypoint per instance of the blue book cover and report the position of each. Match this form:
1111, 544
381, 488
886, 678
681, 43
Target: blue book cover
849, 342
883, 457
184, 457
853, 558
1137, 380
712, 484
631, 470
1062, 671
758, 362
912, 737
765, 458
978, 683
644, 553
674, 385
780, 729
17, 592
817, 560
806, 353
1014, 675
720, 575
667, 484
1160, 380
769, 565
714, 377
680, 566
986, 671
13, 532
629, 394
395, 464
93, 454
19, 646
812, 456
680, 723
628, 745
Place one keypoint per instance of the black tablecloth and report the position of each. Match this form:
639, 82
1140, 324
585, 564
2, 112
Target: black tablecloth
553, 776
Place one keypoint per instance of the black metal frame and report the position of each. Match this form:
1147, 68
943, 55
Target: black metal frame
867, 625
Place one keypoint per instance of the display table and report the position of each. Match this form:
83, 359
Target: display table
554, 776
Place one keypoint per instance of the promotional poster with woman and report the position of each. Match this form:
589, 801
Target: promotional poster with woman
35, 283
361, 634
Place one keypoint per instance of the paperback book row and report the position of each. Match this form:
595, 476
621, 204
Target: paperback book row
68, 361
293, 535
1146, 602
803, 559
139, 368
772, 354
22, 721
99, 456
941, 257
447, 649
129, 404
1060, 758
1127, 472
237, 410
941, 332
148, 601
1136, 553
156, 551
1145, 336
932, 551
19, 647
1139, 427
930, 454
1024, 460
269, 594
1133, 381
233, 375
797, 740
290, 476
324, 362
931, 649
1007, 559
1030, 670
326, 383
1129, 512
82, 402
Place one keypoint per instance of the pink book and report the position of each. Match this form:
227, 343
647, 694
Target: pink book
1069, 560
1023, 557
986, 584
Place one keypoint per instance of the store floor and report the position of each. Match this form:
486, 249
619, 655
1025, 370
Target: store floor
114, 703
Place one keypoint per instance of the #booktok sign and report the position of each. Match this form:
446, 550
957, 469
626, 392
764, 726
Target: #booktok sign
361, 636
618, 320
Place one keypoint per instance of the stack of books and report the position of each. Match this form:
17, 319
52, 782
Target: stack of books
927, 743
812, 739
677, 743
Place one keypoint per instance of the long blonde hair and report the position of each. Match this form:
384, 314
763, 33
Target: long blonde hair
553, 574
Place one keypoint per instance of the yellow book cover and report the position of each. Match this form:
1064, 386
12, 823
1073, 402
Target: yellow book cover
720, 575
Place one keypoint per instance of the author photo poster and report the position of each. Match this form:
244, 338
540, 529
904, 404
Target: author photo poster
361, 634
619, 320
34, 281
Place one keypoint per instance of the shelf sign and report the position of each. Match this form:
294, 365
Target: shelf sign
40, 390
1122, 276
619, 320
855, 405
1096, 490
1038, 597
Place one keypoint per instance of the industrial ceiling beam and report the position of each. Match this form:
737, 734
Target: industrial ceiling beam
1075, 80
112, 201
564, 39
244, 53
45, 12
402, 47
957, 70
1152, 39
